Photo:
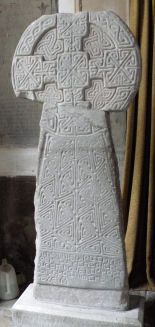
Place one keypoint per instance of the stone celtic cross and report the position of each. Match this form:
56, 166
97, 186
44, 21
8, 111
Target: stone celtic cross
81, 66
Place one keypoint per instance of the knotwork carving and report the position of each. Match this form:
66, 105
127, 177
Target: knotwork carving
94, 52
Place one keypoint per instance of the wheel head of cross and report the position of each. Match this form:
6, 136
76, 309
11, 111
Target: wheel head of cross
80, 59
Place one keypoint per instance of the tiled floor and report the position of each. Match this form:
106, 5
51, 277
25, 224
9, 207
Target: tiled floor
149, 316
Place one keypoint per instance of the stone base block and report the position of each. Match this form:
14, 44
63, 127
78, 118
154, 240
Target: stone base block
29, 312
83, 297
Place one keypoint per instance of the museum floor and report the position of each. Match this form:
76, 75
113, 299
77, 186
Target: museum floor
149, 317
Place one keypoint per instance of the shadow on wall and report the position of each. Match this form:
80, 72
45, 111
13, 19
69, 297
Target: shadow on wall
17, 233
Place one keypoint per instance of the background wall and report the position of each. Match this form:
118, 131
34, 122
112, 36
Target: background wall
121, 7
19, 131
19, 119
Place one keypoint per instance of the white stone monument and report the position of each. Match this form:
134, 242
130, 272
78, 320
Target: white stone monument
81, 66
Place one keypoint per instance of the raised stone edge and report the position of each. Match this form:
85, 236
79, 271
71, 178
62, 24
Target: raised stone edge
28, 305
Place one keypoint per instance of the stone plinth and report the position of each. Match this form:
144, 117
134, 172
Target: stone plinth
83, 297
29, 312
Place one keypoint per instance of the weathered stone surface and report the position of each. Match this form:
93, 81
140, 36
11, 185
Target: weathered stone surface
28, 312
80, 66
82, 297
77, 210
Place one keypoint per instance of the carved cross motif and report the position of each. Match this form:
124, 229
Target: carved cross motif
73, 70
95, 54
32, 73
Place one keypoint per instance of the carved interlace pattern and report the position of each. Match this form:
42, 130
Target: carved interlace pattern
79, 66
94, 53
77, 207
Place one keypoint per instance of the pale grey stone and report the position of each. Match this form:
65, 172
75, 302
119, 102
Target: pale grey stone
78, 213
100, 56
82, 297
28, 312
81, 67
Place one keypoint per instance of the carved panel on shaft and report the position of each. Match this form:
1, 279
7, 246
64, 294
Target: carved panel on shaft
77, 207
